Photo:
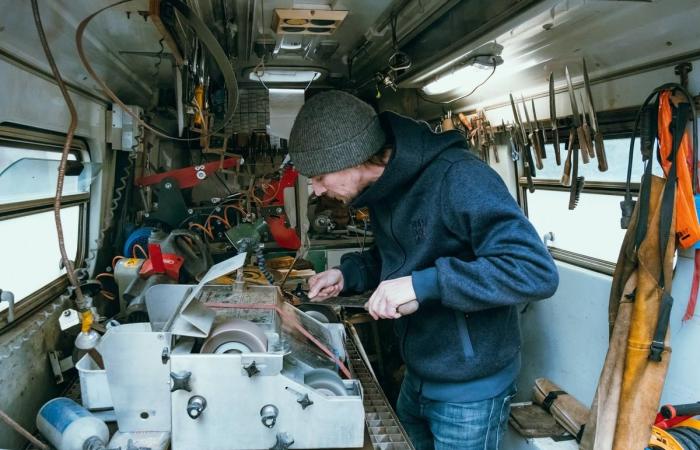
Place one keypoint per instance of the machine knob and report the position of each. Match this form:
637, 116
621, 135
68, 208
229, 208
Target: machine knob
196, 406
268, 415
284, 441
181, 380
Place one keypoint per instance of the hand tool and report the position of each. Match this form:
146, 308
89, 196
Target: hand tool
534, 138
586, 128
577, 119
528, 165
539, 131
553, 119
492, 142
597, 135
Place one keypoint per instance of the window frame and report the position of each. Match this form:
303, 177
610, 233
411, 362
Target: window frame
12, 135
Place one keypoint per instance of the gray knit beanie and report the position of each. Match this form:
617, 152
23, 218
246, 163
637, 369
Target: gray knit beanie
334, 131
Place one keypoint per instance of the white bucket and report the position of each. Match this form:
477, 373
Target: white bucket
94, 387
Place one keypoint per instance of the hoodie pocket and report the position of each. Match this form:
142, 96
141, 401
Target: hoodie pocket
461, 319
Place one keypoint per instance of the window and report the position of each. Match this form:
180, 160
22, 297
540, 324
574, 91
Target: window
592, 230
30, 266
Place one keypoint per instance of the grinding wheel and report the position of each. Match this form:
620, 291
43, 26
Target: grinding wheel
236, 336
325, 381
322, 313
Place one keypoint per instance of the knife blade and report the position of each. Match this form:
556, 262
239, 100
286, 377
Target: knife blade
528, 165
539, 131
597, 135
533, 137
576, 118
553, 119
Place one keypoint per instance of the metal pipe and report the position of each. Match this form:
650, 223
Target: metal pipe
19, 429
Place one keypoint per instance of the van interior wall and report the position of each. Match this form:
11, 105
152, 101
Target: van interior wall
25, 374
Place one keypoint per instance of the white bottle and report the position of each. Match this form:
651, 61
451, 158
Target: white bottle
67, 425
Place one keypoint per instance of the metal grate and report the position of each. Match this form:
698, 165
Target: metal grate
385, 431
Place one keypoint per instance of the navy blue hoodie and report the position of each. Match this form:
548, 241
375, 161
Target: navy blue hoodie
440, 214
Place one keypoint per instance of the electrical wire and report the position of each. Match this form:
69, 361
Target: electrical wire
138, 247
67, 263
458, 98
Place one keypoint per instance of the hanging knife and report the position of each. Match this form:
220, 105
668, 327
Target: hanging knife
597, 135
577, 118
539, 131
553, 119
534, 139
586, 128
528, 165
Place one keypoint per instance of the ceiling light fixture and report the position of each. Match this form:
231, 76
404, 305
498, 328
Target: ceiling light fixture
287, 75
468, 74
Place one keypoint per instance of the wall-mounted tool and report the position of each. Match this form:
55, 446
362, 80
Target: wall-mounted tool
553, 119
533, 137
514, 156
566, 175
525, 149
577, 119
539, 131
597, 135
577, 182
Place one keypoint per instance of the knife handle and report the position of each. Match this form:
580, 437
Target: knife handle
557, 152
537, 151
541, 137
528, 160
566, 176
582, 142
600, 152
589, 140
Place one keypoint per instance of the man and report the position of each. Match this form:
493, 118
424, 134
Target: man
453, 256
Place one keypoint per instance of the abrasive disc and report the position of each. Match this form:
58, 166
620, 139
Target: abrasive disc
235, 336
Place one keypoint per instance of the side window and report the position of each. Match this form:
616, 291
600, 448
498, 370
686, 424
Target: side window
592, 230
30, 267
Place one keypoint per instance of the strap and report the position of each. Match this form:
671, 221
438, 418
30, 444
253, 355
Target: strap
549, 399
579, 435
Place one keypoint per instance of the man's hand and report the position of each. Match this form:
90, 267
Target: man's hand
325, 285
393, 299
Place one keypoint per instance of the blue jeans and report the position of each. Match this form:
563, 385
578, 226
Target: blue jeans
434, 425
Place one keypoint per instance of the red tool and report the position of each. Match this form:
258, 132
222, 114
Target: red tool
188, 177
159, 262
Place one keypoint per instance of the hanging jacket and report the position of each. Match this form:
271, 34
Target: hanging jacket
444, 217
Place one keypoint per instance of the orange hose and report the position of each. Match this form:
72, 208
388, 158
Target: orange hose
115, 259
206, 231
138, 247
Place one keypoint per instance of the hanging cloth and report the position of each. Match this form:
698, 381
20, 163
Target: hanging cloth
635, 367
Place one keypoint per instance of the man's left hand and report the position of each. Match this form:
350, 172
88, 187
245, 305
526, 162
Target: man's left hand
393, 299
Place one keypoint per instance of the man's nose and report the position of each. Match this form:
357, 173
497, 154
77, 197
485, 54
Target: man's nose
317, 188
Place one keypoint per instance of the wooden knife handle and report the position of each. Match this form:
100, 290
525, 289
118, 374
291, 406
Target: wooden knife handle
557, 152
583, 144
537, 150
600, 152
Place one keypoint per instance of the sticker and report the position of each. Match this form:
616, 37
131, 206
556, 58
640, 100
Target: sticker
132, 262
62, 412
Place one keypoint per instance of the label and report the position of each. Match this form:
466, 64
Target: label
61, 412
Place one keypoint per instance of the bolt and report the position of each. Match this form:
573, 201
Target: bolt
168, 185
190, 211
66, 313
278, 210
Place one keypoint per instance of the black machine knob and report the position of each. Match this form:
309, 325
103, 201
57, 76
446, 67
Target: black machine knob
181, 380
196, 406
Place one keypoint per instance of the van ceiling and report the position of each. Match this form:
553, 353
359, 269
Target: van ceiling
538, 36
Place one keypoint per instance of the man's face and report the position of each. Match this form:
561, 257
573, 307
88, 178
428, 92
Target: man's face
343, 185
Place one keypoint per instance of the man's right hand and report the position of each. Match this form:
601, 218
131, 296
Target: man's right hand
325, 285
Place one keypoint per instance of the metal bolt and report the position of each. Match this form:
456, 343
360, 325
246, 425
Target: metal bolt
278, 210
66, 313
168, 185
190, 212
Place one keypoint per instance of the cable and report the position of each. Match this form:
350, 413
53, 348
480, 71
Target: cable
67, 263
138, 247
458, 98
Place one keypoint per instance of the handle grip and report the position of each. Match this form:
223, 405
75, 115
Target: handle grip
600, 152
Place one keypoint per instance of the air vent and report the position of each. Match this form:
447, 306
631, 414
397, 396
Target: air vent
307, 21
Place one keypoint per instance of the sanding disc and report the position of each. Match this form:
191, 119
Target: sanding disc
236, 336
325, 381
